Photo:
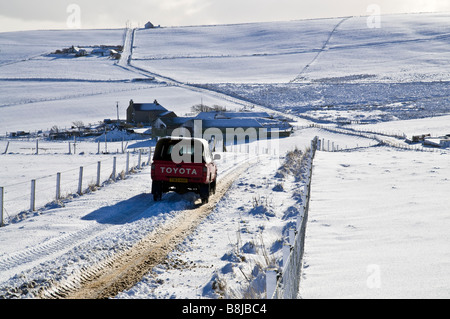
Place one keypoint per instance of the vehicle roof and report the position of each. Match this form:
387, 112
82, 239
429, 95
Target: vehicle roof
180, 138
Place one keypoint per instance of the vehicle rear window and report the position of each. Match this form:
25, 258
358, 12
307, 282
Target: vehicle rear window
186, 150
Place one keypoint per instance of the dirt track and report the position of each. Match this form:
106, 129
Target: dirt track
124, 270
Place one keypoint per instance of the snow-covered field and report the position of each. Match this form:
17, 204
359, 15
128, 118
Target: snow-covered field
378, 216
378, 225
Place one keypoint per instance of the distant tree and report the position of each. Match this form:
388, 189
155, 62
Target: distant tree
200, 108
78, 124
205, 108
219, 108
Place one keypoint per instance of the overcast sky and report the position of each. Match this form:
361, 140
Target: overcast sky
62, 14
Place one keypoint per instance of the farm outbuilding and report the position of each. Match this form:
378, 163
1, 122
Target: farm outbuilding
164, 126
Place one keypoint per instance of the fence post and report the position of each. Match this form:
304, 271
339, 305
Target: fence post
99, 165
271, 282
1, 206
114, 169
139, 159
33, 196
37, 147
80, 181
286, 253
6, 150
127, 169
292, 236
149, 155
106, 143
58, 186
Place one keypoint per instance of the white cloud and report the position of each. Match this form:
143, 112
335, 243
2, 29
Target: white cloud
181, 4
427, 5
46, 14
14, 24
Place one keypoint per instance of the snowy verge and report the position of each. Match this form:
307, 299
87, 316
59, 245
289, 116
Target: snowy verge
378, 225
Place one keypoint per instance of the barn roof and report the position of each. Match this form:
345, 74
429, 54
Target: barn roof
175, 121
227, 123
230, 115
149, 107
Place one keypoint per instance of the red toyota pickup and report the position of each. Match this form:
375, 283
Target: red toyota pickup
183, 165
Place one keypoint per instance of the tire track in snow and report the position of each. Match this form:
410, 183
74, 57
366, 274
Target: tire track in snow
41, 251
57, 246
122, 271
67, 246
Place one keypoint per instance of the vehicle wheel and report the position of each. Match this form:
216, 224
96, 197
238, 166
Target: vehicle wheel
157, 191
157, 197
213, 187
204, 193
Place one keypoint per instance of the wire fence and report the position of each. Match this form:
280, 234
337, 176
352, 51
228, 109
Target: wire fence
285, 284
18, 199
395, 140
29, 194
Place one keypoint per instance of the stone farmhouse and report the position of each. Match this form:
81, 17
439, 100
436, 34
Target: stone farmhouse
147, 113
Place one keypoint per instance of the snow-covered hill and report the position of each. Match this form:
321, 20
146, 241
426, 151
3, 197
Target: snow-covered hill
407, 48
325, 70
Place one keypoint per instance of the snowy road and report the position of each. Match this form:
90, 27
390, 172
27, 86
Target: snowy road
90, 229
127, 48
127, 268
